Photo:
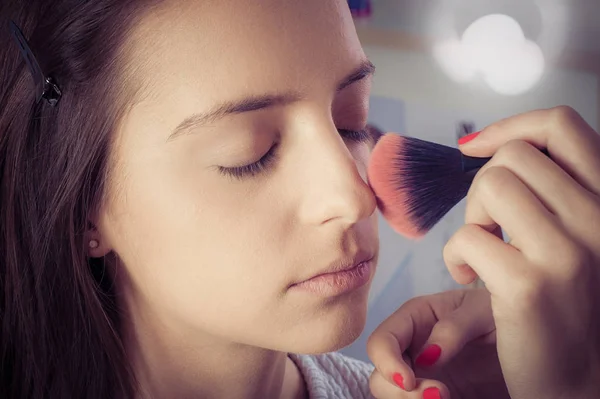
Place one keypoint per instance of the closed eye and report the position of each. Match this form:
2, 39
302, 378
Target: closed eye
355, 135
268, 159
253, 169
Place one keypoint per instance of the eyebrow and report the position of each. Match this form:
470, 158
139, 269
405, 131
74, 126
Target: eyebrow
255, 103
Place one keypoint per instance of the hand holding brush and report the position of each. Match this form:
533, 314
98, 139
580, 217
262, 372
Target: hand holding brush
418, 182
543, 285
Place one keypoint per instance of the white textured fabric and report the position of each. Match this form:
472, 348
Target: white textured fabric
334, 376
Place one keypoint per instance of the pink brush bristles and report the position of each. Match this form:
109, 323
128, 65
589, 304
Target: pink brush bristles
417, 182
391, 201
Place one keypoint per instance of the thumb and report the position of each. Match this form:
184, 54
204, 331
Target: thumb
469, 322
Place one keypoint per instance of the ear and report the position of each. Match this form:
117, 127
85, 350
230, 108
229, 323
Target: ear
96, 247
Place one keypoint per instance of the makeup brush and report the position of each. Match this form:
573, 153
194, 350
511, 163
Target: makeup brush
418, 182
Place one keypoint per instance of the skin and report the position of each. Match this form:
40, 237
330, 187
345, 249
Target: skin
539, 312
205, 262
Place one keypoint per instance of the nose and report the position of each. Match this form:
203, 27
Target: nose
336, 188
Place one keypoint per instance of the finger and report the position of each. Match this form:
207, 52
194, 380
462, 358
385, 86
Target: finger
472, 321
382, 389
495, 262
555, 189
571, 142
499, 197
464, 274
386, 346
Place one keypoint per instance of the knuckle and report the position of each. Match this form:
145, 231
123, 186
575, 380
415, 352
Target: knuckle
414, 302
466, 233
376, 343
573, 261
463, 235
573, 253
513, 152
564, 115
447, 331
493, 182
460, 239
447, 250
452, 242
528, 291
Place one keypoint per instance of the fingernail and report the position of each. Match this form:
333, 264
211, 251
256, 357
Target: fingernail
429, 356
432, 393
467, 138
397, 377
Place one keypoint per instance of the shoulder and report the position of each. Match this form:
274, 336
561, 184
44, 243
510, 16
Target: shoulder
334, 375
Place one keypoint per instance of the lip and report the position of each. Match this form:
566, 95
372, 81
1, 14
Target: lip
340, 278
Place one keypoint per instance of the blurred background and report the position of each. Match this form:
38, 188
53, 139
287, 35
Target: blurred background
446, 68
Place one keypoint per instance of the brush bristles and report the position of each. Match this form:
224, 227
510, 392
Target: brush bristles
416, 182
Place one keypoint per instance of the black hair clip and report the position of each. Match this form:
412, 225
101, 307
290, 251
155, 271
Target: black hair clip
44, 85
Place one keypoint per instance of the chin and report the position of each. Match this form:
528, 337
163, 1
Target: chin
336, 325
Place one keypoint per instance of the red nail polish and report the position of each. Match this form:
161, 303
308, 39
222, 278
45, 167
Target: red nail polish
467, 138
432, 393
429, 356
397, 377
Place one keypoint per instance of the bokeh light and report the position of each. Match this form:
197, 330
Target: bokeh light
495, 48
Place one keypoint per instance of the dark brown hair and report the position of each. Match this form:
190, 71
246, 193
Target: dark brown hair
59, 333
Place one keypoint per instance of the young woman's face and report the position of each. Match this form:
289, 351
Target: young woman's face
236, 176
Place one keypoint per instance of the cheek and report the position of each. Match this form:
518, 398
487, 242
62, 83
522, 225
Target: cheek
191, 240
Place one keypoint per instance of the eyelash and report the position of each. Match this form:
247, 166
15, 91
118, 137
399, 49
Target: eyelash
263, 164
